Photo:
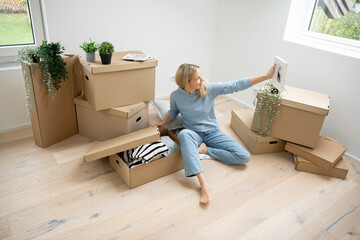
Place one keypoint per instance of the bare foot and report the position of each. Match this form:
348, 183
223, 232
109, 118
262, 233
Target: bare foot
205, 189
202, 148
205, 194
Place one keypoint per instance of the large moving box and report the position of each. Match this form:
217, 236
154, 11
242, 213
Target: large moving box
138, 175
105, 124
54, 119
119, 84
301, 117
325, 154
339, 170
241, 121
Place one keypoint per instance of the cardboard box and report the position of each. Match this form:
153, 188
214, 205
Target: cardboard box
339, 170
325, 154
54, 120
120, 83
241, 121
142, 174
105, 124
301, 117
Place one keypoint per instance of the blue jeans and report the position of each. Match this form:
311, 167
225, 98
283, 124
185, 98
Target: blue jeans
219, 146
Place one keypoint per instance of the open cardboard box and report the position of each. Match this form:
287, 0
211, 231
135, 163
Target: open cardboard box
325, 154
142, 174
106, 124
120, 83
241, 121
339, 170
302, 114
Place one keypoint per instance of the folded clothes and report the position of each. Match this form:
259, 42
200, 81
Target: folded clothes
149, 152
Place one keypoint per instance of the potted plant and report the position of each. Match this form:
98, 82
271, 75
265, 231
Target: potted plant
267, 108
90, 48
105, 50
52, 66
28, 56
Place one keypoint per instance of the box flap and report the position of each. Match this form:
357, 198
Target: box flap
117, 63
246, 116
123, 112
122, 143
81, 101
326, 149
126, 111
340, 165
306, 100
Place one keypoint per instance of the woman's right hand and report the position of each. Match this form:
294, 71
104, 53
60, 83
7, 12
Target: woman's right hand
161, 125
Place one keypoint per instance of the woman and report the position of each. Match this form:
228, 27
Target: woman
194, 99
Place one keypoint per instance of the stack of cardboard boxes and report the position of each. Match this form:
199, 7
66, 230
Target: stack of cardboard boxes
297, 130
114, 110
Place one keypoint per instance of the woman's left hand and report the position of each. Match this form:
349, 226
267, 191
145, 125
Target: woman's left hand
271, 71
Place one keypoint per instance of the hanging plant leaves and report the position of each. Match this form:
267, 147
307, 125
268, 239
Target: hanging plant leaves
267, 108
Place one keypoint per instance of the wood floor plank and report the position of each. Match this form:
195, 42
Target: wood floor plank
37, 195
51, 194
292, 219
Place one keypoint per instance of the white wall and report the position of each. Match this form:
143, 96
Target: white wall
173, 32
230, 39
250, 34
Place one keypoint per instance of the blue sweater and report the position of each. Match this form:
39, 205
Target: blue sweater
199, 114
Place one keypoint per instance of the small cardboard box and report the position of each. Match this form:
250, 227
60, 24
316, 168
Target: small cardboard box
241, 123
105, 124
301, 117
120, 83
325, 154
339, 170
54, 119
142, 174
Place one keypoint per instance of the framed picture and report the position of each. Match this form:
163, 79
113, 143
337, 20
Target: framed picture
279, 77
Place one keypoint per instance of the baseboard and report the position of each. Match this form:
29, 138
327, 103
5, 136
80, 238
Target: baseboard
239, 101
352, 158
16, 128
159, 97
16, 135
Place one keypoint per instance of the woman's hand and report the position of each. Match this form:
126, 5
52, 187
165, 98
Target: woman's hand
271, 71
161, 125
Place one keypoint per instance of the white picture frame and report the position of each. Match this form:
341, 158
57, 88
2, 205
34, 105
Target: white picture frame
279, 77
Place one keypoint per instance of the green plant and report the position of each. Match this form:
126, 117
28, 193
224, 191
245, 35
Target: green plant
106, 48
267, 108
52, 66
28, 56
89, 47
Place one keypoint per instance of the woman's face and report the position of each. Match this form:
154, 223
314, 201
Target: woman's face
197, 81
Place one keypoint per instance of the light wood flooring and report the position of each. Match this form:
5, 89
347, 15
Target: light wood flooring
52, 194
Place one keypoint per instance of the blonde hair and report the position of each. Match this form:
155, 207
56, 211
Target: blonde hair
185, 73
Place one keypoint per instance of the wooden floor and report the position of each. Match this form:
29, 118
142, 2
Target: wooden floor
52, 194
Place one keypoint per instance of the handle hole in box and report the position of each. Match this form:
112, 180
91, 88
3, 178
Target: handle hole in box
138, 119
87, 78
273, 142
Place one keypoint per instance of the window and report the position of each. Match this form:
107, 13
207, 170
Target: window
331, 25
20, 24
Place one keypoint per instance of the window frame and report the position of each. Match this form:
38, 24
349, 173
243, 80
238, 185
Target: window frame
8, 54
297, 26
306, 32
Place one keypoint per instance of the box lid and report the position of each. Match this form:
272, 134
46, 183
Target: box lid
122, 143
246, 116
340, 165
326, 149
123, 112
306, 100
117, 63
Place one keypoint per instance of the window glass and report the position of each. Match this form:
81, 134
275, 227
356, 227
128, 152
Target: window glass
340, 18
15, 23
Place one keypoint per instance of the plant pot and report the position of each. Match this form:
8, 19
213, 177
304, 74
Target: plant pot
90, 57
106, 58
